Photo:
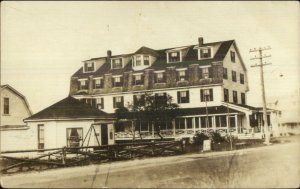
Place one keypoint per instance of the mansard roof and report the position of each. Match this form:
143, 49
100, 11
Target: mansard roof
191, 57
69, 108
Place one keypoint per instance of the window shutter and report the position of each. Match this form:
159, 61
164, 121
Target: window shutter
102, 103
134, 100
94, 83
133, 80
210, 73
178, 97
209, 51
201, 95
177, 74
200, 73
201, 53
164, 77
188, 96
78, 85
121, 80
114, 102
142, 79
122, 101
211, 95
85, 67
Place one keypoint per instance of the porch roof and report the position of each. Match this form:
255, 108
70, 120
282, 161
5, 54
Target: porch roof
69, 108
190, 112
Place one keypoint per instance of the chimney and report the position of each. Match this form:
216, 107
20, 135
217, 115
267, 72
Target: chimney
200, 41
108, 53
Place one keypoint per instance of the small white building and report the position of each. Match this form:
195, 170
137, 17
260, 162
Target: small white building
67, 123
14, 108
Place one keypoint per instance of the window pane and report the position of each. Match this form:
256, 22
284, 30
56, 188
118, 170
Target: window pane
189, 123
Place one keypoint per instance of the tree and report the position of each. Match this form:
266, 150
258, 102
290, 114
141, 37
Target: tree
152, 108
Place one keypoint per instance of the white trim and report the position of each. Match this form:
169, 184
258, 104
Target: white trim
159, 71
154, 90
122, 62
206, 66
67, 119
206, 47
181, 69
83, 79
114, 76
95, 78
140, 73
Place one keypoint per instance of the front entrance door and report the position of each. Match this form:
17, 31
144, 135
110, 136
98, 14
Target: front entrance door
104, 134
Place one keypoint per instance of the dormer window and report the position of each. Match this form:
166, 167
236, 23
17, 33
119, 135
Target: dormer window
117, 81
138, 79
138, 61
146, 60
181, 75
83, 84
204, 53
160, 77
174, 57
141, 61
89, 67
116, 63
98, 83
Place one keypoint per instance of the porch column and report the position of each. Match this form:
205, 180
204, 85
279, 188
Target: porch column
214, 123
152, 130
227, 123
185, 126
194, 124
236, 124
173, 125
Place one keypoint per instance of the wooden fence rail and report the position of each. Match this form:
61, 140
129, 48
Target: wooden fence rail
66, 156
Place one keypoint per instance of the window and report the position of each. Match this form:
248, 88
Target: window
180, 123
183, 97
225, 76
242, 81
138, 61
117, 81
231, 121
206, 95
146, 60
98, 83
118, 102
160, 77
161, 98
226, 95
205, 53
144, 126
89, 67
41, 141
83, 84
116, 63
138, 79
235, 100
243, 98
233, 76
6, 106
206, 122
197, 124
221, 121
174, 57
100, 103
181, 75
232, 56
139, 100
74, 137
205, 72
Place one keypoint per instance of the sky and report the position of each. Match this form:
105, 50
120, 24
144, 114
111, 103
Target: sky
44, 43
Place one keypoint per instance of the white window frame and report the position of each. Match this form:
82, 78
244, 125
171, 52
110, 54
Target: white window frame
121, 62
180, 56
207, 47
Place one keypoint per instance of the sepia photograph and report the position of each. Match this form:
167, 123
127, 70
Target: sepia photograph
150, 94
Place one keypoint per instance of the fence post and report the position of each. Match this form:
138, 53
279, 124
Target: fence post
183, 146
63, 155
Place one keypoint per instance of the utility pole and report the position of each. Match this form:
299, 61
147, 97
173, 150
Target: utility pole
261, 65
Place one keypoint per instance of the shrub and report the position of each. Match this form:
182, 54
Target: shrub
199, 138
